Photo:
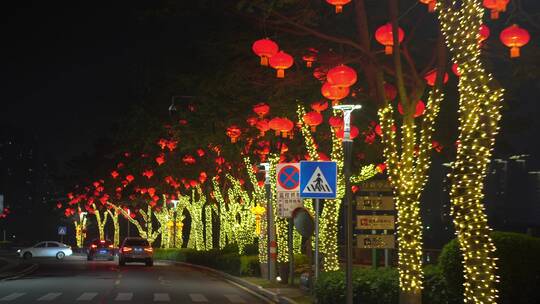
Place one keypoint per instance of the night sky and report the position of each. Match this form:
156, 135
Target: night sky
69, 73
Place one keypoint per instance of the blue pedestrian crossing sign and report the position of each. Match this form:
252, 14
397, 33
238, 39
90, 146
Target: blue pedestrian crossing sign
318, 179
62, 230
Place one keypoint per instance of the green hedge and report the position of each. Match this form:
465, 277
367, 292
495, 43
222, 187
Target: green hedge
519, 268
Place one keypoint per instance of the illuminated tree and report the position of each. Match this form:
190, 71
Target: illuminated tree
114, 213
195, 209
101, 220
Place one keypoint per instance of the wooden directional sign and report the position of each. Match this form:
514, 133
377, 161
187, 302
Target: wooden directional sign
376, 241
376, 186
374, 222
373, 203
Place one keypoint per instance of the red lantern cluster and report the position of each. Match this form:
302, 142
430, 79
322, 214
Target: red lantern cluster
514, 37
385, 37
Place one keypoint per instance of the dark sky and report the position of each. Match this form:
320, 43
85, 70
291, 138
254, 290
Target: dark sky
68, 73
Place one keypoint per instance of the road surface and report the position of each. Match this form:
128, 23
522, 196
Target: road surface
75, 280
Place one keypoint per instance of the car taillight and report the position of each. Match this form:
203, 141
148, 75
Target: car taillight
93, 246
149, 249
102, 241
111, 246
126, 249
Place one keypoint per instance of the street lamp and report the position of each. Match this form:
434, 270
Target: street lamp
347, 151
175, 203
271, 237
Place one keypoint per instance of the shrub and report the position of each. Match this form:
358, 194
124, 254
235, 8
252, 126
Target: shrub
249, 266
519, 267
370, 286
229, 263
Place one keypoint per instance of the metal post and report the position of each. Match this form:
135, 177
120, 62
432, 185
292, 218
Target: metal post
174, 229
347, 151
271, 237
317, 270
291, 253
129, 215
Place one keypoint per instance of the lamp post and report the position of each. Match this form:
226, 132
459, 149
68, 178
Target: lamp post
175, 203
271, 237
347, 151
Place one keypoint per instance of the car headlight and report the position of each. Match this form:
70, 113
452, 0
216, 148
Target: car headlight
18, 251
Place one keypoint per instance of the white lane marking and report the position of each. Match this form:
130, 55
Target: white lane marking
12, 296
87, 296
50, 296
124, 296
197, 297
161, 297
234, 298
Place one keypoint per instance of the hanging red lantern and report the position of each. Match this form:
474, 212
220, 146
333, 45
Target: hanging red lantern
148, 174
430, 3
496, 7
354, 132
188, 159
263, 126
419, 109
319, 106
484, 33
160, 160
514, 37
310, 57
130, 178
275, 124
114, 174
252, 121
341, 76
151, 192
234, 133
320, 73
261, 109
59, 205
384, 36
390, 91
265, 48
323, 157
436, 146
432, 75
200, 152
220, 160
171, 145
381, 167
338, 4
281, 61
334, 93
336, 122
455, 69
313, 119
162, 143
202, 177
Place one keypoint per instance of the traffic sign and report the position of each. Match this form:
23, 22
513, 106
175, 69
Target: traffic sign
376, 241
382, 222
318, 179
288, 177
375, 203
62, 230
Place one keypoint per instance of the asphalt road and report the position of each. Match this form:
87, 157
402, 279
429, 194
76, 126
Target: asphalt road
75, 280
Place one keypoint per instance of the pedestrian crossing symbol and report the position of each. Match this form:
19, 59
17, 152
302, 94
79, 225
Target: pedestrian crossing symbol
318, 179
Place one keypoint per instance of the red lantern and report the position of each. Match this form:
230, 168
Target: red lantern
436, 146
200, 152
220, 160
338, 4
234, 132
263, 126
336, 122
334, 93
455, 69
261, 109
202, 177
59, 205
354, 132
496, 7
313, 119
310, 58
265, 48
319, 106
281, 61
130, 178
430, 3
275, 124
390, 91
252, 121
323, 157
384, 36
188, 159
432, 75
381, 167
419, 110
171, 145
484, 33
148, 174
514, 37
114, 174
151, 192
160, 160
162, 143
341, 76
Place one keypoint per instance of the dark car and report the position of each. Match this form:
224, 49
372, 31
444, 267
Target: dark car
101, 249
135, 249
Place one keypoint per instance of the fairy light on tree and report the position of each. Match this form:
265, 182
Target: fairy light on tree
480, 100
101, 220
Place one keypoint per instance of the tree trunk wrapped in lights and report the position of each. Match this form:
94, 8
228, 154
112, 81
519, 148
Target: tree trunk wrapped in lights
80, 231
165, 217
147, 232
259, 199
101, 219
208, 224
223, 224
195, 209
479, 114
113, 213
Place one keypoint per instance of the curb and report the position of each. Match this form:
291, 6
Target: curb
17, 275
267, 294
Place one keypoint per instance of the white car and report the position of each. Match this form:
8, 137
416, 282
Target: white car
46, 249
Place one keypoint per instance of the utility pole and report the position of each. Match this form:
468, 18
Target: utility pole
271, 237
129, 215
175, 203
347, 151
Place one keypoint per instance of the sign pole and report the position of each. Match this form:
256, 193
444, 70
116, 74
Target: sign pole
317, 239
291, 253
270, 236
